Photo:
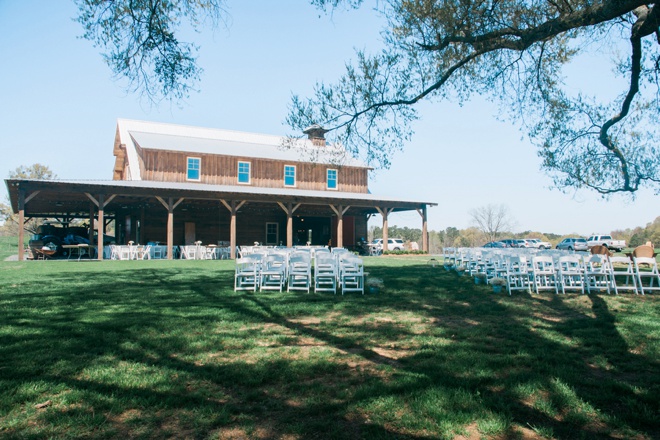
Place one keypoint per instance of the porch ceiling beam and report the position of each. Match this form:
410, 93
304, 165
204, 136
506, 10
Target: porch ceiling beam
100, 203
340, 210
232, 206
384, 211
170, 205
31, 196
289, 208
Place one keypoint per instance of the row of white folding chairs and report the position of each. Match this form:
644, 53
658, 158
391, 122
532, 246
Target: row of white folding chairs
261, 270
293, 268
342, 270
580, 273
332, 270
127, 252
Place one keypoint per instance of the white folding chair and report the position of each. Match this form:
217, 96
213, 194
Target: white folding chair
144, 252
114, 252
125, 252
597, 273
571, 273
325, 273
448, 257
246, 276
299, 275
273, 273
622, 274
517, 274
211, 252
351, 274
544, 274
188, 252
651, 274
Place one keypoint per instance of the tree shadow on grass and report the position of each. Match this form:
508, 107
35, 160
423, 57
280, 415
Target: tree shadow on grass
124, 371
125, 346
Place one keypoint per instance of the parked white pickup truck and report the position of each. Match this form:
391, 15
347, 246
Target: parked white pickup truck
606, 240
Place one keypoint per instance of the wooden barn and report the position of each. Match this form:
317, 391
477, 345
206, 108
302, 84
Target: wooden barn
179, 184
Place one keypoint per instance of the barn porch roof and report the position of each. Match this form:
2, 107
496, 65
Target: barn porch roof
55, 196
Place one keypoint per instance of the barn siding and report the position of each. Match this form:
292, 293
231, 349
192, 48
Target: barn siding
168, 166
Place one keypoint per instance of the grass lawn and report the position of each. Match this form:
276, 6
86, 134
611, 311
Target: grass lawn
167, 349
9, 246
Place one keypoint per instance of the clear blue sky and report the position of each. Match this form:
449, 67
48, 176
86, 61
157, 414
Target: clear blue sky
60, 105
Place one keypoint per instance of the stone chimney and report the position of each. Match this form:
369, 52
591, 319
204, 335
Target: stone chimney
316, 134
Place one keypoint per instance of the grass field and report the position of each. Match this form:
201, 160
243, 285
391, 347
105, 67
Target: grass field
167, 349
8, 247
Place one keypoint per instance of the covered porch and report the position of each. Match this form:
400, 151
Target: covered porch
182, 213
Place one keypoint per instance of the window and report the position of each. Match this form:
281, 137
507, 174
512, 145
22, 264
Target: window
194, 167
332, 179
272, 232
289, 175
244, 172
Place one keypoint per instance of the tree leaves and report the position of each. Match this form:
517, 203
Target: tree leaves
139, 43
515, 52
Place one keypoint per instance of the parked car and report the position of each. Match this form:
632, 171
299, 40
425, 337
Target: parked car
607, 241
573, 244
393, 244
514, 243
495, 244
538, 244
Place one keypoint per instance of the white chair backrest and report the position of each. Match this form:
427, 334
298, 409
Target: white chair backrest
647, 261
621, 261
273, 260
597, 263
325, 257
246, 264
569, 263
517, 263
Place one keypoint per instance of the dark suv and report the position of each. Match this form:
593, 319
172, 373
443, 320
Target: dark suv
54, 235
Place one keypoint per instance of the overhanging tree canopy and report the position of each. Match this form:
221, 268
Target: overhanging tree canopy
139, 42
512, 51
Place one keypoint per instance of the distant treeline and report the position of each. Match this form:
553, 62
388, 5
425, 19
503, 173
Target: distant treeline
454, 237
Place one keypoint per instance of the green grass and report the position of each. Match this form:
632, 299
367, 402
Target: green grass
167, 349
9, 246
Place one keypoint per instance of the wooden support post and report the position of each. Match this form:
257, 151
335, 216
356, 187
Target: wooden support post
385, 212
340, 211
170, 205
425, 233
232, 235
100, 203
340, 229
21, 221
289, 230
99, 228
170, 232
22, 201
90, 231
289, 209
385, 232
233, 206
